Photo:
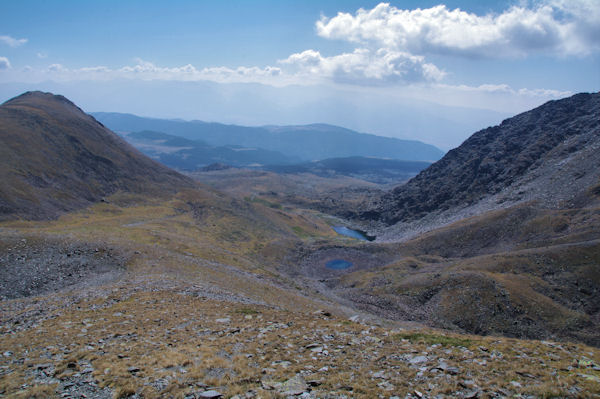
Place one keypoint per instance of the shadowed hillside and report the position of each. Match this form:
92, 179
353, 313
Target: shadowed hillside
55, 158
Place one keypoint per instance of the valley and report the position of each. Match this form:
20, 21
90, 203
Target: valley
129, 279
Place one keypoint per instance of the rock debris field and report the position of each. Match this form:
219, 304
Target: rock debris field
118, 341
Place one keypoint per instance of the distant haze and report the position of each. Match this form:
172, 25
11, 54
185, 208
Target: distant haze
385, 113
427, 70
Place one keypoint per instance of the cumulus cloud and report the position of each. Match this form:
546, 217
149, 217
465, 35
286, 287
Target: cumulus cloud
364, 66
4, 63
149, 71
11, 41
557, 27
392, 47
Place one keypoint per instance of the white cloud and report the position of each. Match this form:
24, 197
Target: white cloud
146, 70
363, 66
548, 94
42, 55
57, 68
12, 42
4, 63
557, 27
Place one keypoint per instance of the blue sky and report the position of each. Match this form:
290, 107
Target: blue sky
503, 56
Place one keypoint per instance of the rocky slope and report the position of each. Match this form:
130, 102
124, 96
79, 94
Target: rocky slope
55, 158
549, 154
177, 342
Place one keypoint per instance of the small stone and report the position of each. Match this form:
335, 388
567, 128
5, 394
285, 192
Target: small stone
268, 385
418, 394
471, 394
133, 369
589, 377
516, 384
212, 394
223, 320
418, 359
294, 386
380, 374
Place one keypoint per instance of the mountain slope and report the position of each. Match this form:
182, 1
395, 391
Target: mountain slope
549, 154
55, 158
308, 142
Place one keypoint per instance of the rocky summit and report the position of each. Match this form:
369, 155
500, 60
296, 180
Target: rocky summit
549, 154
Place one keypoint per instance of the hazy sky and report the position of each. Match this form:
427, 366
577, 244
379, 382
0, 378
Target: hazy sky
505, 56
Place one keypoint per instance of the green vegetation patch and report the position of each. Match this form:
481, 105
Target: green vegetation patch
257, 200
300, 232
432, 339
247, 311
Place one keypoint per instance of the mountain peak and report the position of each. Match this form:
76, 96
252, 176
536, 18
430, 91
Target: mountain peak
56, 158
33, 97
525, 158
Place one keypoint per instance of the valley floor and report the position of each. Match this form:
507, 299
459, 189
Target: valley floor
205, 295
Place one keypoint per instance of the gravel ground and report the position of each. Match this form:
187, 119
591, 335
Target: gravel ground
33, 265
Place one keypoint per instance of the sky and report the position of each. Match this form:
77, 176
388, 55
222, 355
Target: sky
427, 70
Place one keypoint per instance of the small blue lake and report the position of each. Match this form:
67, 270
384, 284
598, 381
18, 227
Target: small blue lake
338, 264
359, 235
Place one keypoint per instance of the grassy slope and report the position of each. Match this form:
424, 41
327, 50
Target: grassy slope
523, 272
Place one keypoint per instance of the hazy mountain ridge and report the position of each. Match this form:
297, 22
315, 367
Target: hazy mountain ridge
193, 155
185, 154
309, 142
55, 158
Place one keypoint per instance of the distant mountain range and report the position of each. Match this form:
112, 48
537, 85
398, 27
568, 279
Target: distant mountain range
185, 154
298, 143
54, 158
195, 155
376, 170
